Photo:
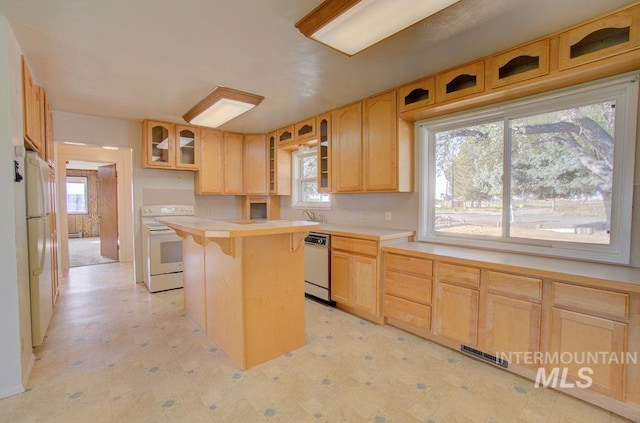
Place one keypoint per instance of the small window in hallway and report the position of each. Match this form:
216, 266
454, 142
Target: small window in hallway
77, 198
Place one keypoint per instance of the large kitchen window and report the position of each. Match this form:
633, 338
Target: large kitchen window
77, 195
551, 175
305, 181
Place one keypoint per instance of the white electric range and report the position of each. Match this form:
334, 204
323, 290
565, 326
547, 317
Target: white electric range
162, 248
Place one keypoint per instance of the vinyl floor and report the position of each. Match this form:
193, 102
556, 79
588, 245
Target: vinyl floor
116, 353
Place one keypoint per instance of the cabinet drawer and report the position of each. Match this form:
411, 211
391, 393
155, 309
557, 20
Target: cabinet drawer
407, 286
514, 285
591, 300
459, 275
413, 314
362, 246
407, 264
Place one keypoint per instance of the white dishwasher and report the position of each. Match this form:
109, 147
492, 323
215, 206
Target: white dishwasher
317, 272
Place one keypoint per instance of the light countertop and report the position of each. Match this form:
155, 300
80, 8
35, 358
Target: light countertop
365, 232
237, 228
555, 268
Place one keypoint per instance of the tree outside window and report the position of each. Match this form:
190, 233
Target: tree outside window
554, 173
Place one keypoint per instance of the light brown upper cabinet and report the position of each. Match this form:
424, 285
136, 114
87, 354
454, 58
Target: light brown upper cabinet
305, 130
232, 162
387, 146
323, 123
286, 135
605, 37
520, 64
48, 128
417, 94
460, 82
32, 104
346, 148
187, 145
170, 146
255, 164
371, 147
279, 167
158, 144
210, 176
272, 164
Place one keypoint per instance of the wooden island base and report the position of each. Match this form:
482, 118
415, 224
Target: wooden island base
246, 290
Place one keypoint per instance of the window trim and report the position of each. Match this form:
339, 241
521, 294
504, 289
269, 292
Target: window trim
296, 183
85, 181
618, 250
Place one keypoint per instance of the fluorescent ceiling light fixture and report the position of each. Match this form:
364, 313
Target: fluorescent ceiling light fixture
222, 105
350, 26
108, 147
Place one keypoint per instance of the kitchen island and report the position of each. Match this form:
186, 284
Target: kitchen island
244, 283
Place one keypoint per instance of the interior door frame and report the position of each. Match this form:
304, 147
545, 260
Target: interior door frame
123, 158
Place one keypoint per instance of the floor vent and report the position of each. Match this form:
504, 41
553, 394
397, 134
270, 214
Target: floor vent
484, 356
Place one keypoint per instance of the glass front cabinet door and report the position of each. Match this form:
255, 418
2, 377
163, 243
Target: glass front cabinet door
159, 144
324, 152
187, 143
170, 146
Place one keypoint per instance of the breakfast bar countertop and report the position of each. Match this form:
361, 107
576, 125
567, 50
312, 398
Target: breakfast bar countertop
208, 228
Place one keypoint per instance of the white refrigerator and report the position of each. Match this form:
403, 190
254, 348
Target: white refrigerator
39, 244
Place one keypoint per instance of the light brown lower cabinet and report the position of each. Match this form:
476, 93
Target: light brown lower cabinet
414, 316
408, 287
517, 313
577, 334
510, 325
341, 277
456, 313
354, 281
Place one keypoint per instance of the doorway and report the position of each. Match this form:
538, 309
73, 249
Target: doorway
120, 208
92, 205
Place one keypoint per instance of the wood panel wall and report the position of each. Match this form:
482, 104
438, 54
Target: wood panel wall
88, 224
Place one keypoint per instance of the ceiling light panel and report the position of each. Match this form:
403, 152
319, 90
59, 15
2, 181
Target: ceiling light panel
220, 106
350, 26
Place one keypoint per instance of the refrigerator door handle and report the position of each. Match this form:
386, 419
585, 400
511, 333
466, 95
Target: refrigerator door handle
42, 224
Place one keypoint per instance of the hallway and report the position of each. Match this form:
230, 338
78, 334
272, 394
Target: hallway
115, 353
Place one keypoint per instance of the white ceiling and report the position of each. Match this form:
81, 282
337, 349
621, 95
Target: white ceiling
137, 59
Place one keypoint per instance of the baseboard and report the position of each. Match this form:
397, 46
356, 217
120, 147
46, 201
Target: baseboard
11, 391
27, 372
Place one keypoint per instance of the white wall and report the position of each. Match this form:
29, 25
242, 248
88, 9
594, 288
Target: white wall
150, 186
364, 210
16, 357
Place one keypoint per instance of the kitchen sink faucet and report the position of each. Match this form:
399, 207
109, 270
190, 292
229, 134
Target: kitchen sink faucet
311, 215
